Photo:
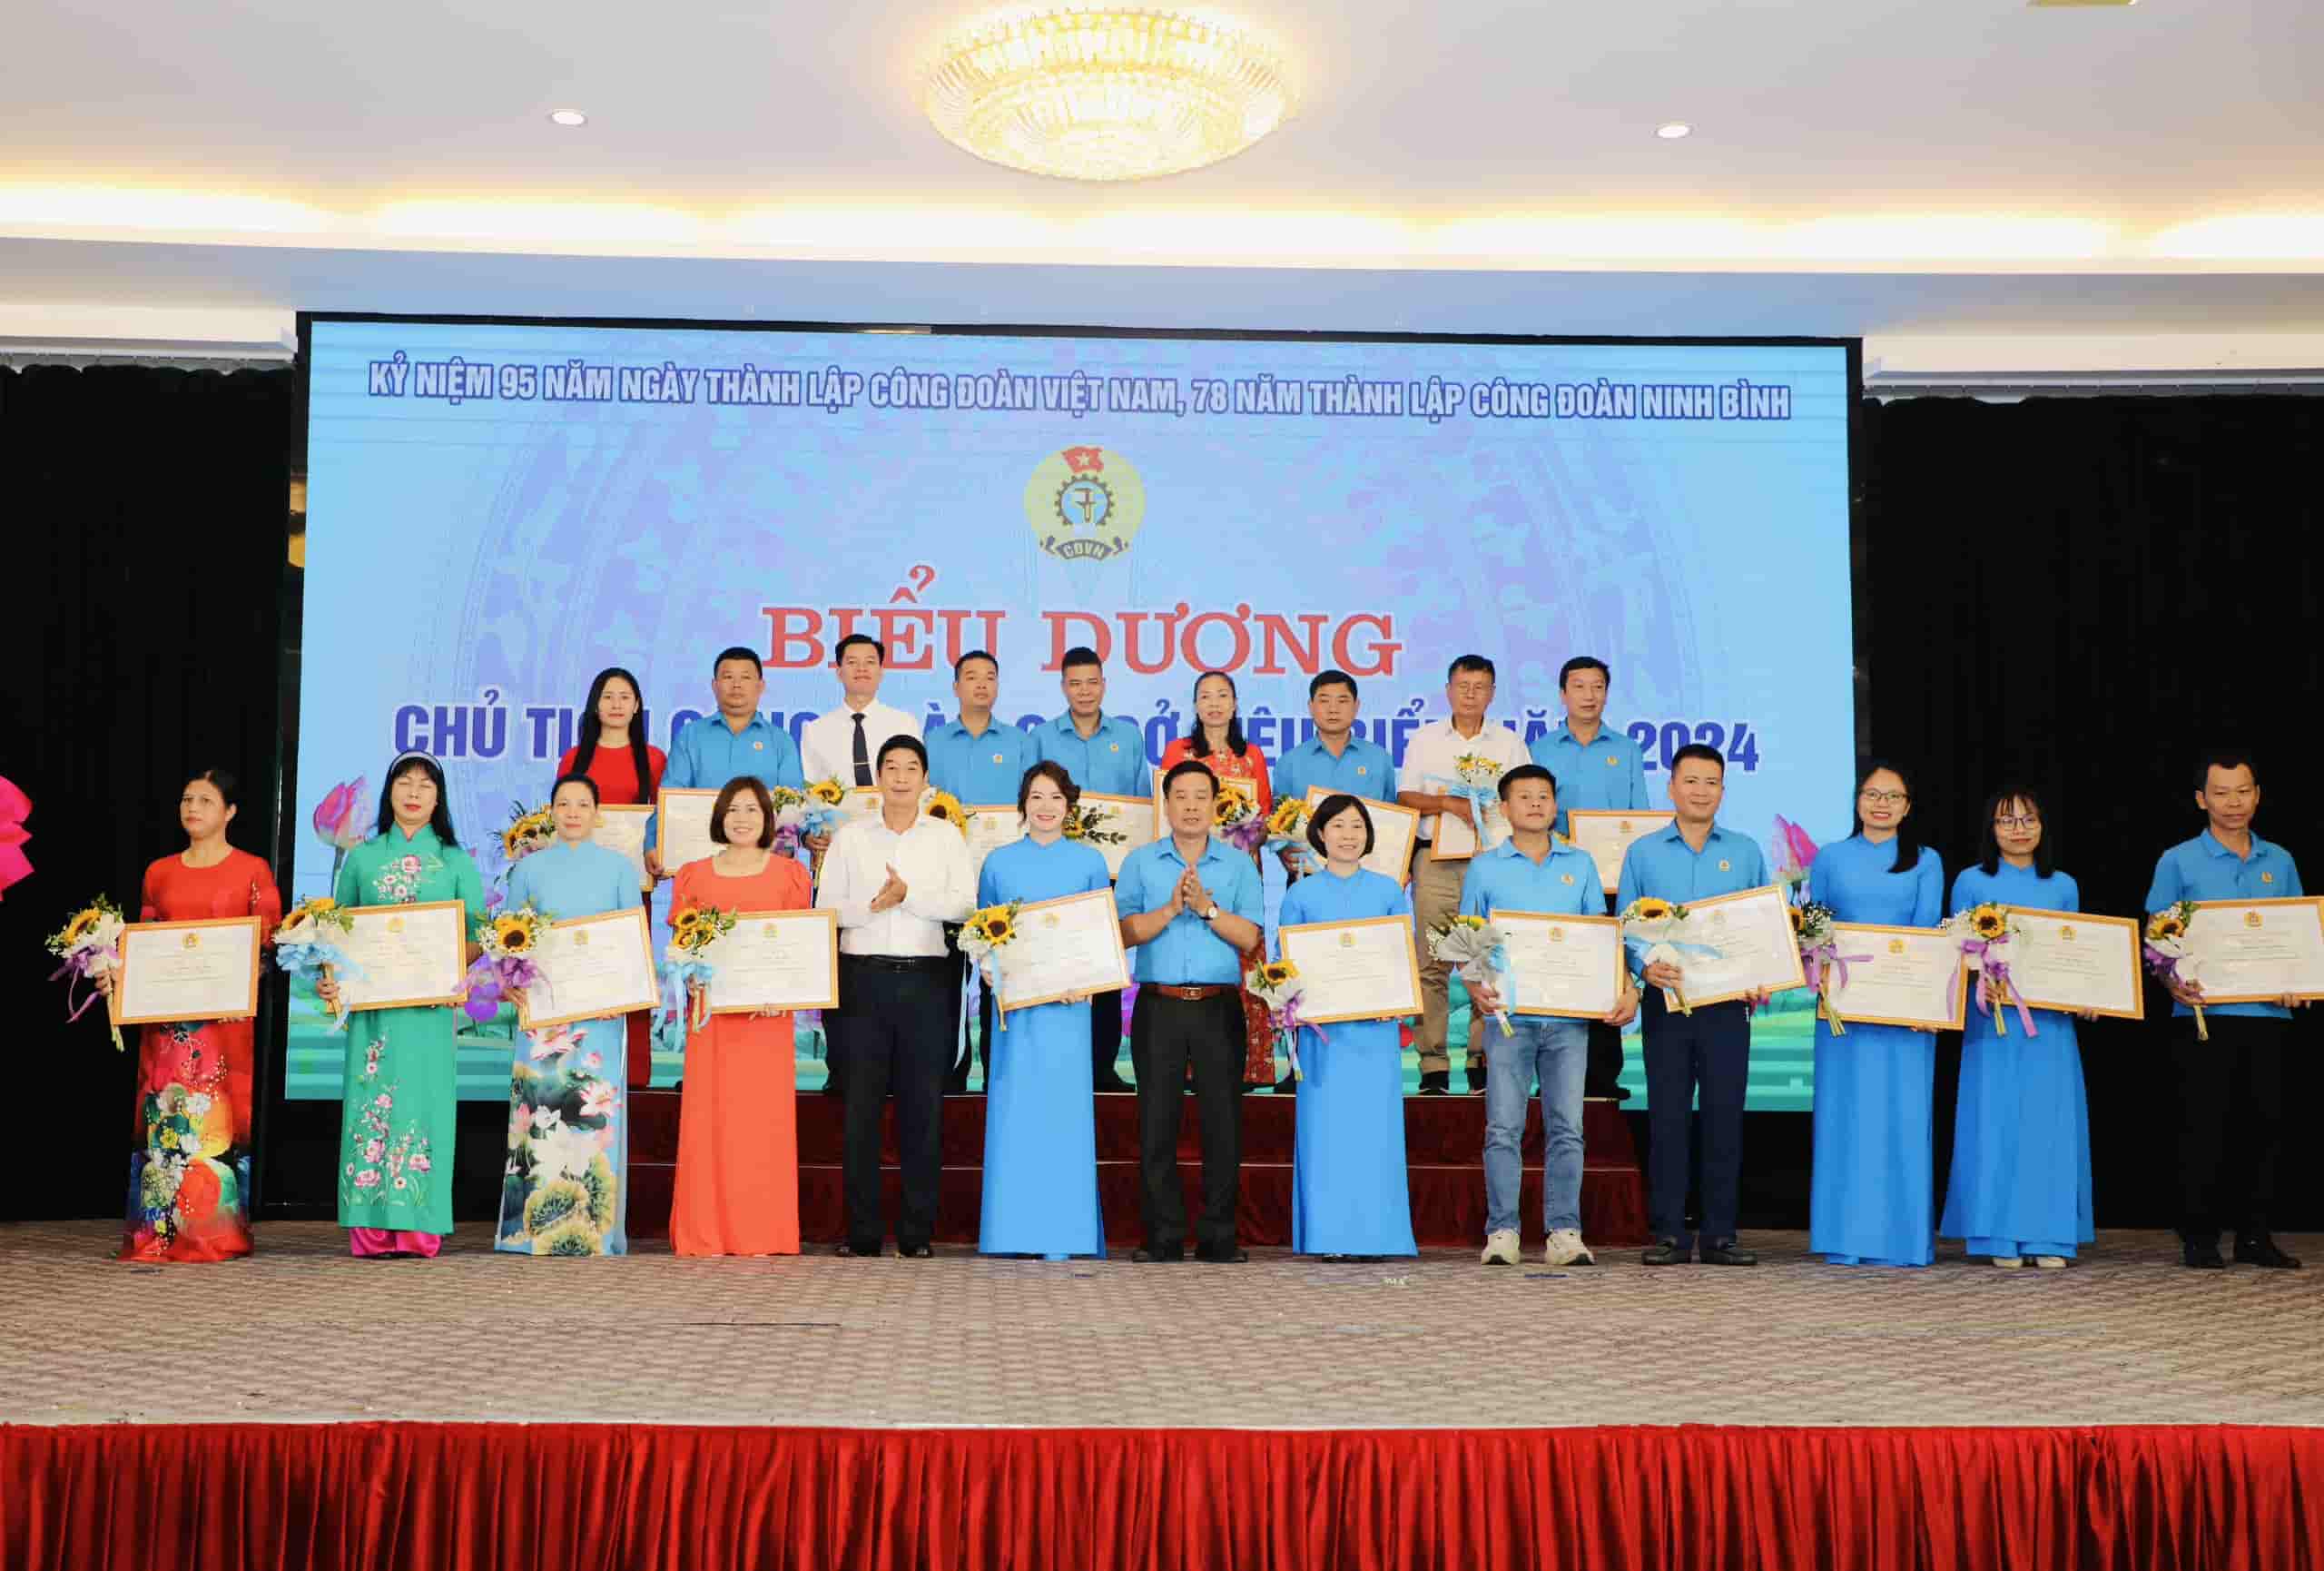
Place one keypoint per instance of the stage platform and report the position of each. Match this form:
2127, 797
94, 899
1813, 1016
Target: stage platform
304, 1407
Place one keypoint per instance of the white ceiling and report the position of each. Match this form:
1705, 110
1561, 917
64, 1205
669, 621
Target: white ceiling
156, 153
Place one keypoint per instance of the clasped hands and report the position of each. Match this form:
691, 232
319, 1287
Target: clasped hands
891, 894
1190, 894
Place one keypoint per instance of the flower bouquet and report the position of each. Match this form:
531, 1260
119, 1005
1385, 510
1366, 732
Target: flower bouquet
820, 808
790, 812
1092, 826
1820, 957
1287, 831
1234, 816
988, 931
2168, 955
89, 945
1657, 921
509, 939
1795, 853
692, 930
1480, 952
1276, 985
306, 943
529, 829
1476, 780
1983, 931
945, 808
336, 821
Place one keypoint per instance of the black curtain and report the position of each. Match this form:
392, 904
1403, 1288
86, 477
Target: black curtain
145, 568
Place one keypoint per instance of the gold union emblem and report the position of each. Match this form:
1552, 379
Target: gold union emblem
1048, 919
1557, 935
1719, 919
1625, 823
2065, 933
2251, 919
581, 939
1347, 941
191, 941
768, 931
1895, 946
395, 924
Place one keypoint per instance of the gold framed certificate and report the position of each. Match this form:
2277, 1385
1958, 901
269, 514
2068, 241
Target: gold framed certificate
1752, 947
991, 826
681, 832
862, 803
1065, 947
1915, 977
405, 957
1607, 834
1368, 969
621, 828
775, 960
1131, 818
1568, 966
1456, 841
2072, 961
186, 971
1394, 830
592, 967
2258, 950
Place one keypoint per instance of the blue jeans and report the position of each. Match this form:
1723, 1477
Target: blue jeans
1557, 1052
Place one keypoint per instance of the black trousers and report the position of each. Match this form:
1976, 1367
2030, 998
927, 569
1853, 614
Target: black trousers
1165, 1035
1603, 1073
891, 1030
1106, 1037
1710, 1049
2230, 1122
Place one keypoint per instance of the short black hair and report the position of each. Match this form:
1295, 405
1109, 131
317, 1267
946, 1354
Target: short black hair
2045, 855
1702, 750
985, 655
1331, 807
1333, 679
736, 652
1528, 772
1584, 663
840, 649
740, 786
229, 788
1472, 663
899, 742
575, 777
2211, 759
1190, 766
1079, 655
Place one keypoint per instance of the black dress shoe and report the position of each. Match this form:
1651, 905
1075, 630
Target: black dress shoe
1110, 1079
860, 1248
1287, 1086
2260, 1250
1727, 1253
914, 1252
1163, 1256
2200, 1254
1666, 1253
1476, 1078
1230, 1256
1436, 1082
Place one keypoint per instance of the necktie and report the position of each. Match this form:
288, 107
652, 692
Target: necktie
863, 755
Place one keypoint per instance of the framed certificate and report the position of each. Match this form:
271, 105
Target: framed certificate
990, 826
1162, 813
2258, 950
406, 956
2072, 961
1751, 943
1456, 841
592, 967
1568, 966
621, 827
1608, 835
681, 832
775, 960
1132, 819
186, 971
1066, 946
862, 802
1394, 830
1363, 970
1915, 977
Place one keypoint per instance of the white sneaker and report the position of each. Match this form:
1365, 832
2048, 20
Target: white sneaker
1565, 1247
1501, 1249
2009, 1262
2051, 1262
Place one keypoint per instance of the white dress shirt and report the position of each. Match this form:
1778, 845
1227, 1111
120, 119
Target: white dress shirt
827, 742
1434, 746
940, 887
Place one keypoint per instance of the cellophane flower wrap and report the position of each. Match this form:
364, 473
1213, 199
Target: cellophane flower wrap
308, 941
529, 829
790, 813
1984, 932
693, 930
1234, 816
1479, 951
1287, 831
509, 939
1277, 983
2169, 957
89, 945
985, 939
1657, 921
1820, 957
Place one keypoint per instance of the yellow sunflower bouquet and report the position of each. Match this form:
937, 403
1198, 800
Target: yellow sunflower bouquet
529, 829
985, 937
88, 944
1287, 831
509, 939
1984, 932
1479, 950
686, 972
1657, 922
1235, 815
2168, 955
945, 808
1278, 984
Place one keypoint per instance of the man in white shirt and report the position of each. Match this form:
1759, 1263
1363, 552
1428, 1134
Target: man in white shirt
843, 744
895, 880
1426, 776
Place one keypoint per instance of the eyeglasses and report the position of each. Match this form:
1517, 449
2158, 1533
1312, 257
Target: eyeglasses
1882, 799
2024, 820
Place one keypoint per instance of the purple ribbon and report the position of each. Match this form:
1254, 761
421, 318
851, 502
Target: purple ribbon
487, 979
1996, 969
1828, 954
76, 965
1288, 1021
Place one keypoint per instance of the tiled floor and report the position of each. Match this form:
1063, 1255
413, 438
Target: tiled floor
301, 1332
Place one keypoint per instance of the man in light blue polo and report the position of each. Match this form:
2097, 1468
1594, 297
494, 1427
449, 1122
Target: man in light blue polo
1190, 906
2229, 1088
1107, 754
1531, 871
735, 741
1710, 1048
982, 762
1337, 758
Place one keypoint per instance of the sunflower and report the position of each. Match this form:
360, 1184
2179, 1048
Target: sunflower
1799, 919
1989, 922
513, 933
1275, 972
2166, 926
1288, 816
1230, 806
693, 919
831, 792
945, 807
79, 926
1651, 909
999, 929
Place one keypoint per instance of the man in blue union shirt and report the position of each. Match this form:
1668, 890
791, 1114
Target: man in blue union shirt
982, 762
1531, 871
1710, 1048
1190, 906
733, 743
1597, 768
2232, 1086
1337, 758
1107, 754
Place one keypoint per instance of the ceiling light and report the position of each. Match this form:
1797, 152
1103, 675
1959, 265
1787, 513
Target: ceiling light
1100, 93
1671, 130
568, 117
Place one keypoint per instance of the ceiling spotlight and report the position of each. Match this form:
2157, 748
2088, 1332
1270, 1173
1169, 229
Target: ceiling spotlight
568, 117
1670, 130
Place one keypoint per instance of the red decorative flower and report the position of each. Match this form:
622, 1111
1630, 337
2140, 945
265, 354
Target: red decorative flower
198, 1193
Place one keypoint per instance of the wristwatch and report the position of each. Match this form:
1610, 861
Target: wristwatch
1211, 914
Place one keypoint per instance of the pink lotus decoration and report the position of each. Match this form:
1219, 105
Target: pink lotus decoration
1794, 853
15, 808
337, 823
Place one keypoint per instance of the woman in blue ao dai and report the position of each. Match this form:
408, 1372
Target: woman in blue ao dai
1041, 1125
1348, 1192
1870, 1203
2020, 1187
564, 1190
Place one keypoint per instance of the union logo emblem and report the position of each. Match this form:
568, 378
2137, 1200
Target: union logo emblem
1084, 504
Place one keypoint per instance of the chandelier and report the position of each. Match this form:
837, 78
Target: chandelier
1106, 93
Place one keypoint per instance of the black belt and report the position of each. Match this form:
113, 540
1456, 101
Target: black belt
900, 961
1187, 992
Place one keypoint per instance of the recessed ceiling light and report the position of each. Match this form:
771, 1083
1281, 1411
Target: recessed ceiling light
568, 117
1670, 130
